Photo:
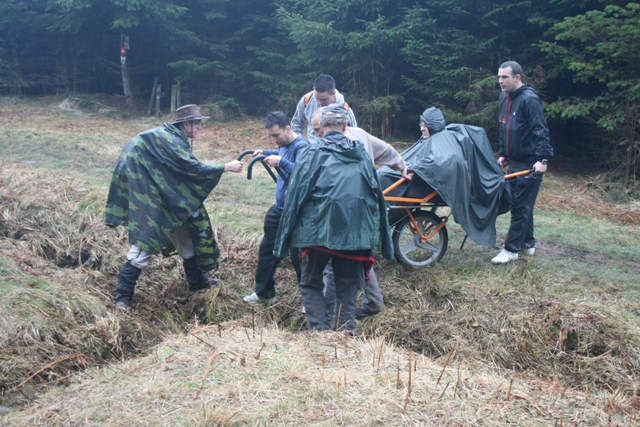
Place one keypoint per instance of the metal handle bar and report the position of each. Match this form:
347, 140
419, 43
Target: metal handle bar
511, 175
244, 153
260, 159
392, 186
521, 173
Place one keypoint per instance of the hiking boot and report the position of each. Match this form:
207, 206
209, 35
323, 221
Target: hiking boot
504, 257
362, 312
127, 279
196, 277
255, 298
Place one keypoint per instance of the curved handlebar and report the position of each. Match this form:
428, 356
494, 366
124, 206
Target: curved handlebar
261, 160
244, 153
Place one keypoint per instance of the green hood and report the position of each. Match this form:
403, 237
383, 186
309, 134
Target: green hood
334, 200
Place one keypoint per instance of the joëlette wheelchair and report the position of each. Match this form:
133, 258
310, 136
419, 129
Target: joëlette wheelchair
419, 235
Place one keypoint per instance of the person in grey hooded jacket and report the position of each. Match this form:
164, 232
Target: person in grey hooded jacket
324, 93
432, 121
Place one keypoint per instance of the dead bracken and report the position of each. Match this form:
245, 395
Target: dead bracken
457, 343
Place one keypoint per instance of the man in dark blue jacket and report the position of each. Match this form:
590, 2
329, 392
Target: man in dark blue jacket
290, 145
524, 144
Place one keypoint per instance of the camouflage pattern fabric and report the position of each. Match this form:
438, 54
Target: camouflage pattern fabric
158, 185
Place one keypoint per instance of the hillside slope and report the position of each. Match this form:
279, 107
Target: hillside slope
550, 339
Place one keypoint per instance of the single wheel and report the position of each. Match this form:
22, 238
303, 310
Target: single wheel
408, 245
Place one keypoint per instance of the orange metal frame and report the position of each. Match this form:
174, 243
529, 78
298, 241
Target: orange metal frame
414, 225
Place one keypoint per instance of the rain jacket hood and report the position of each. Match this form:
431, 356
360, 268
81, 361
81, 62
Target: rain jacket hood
434, 119
334, 200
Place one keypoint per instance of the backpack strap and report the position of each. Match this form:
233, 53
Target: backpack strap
307, 97
298, 147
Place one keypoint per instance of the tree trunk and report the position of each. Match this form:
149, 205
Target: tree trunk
126, 84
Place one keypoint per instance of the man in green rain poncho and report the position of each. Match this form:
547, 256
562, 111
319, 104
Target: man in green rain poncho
157, 190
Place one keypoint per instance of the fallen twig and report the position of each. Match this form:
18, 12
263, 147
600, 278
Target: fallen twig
449, 357
203, 341
55, 362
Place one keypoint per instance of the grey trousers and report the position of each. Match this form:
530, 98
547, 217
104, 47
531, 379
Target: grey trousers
372, 301
348, 277
181, 239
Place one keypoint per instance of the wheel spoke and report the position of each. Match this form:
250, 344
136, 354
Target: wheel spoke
429, 246
410, 250
411, 246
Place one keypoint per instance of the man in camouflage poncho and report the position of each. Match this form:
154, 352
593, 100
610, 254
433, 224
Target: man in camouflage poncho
157, 190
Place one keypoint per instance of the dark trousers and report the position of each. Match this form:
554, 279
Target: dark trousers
348, 276
267, 262
524, 192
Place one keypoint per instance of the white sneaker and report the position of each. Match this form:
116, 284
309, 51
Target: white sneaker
123, 306
254, 299
504, 257
530, 251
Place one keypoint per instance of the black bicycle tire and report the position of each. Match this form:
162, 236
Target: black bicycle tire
401, 248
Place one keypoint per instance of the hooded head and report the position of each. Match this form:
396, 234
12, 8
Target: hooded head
434, 119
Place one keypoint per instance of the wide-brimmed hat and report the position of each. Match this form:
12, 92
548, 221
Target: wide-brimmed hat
188, 112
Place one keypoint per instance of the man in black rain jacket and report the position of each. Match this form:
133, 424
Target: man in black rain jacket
524, 144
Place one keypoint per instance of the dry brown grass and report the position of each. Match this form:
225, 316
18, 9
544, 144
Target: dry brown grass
585, 197
57, 260
236, 375
436, 311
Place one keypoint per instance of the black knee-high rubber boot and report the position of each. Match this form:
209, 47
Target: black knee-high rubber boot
195, 277
126, 285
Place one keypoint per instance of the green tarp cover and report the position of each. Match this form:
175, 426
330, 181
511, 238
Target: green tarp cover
461, 166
